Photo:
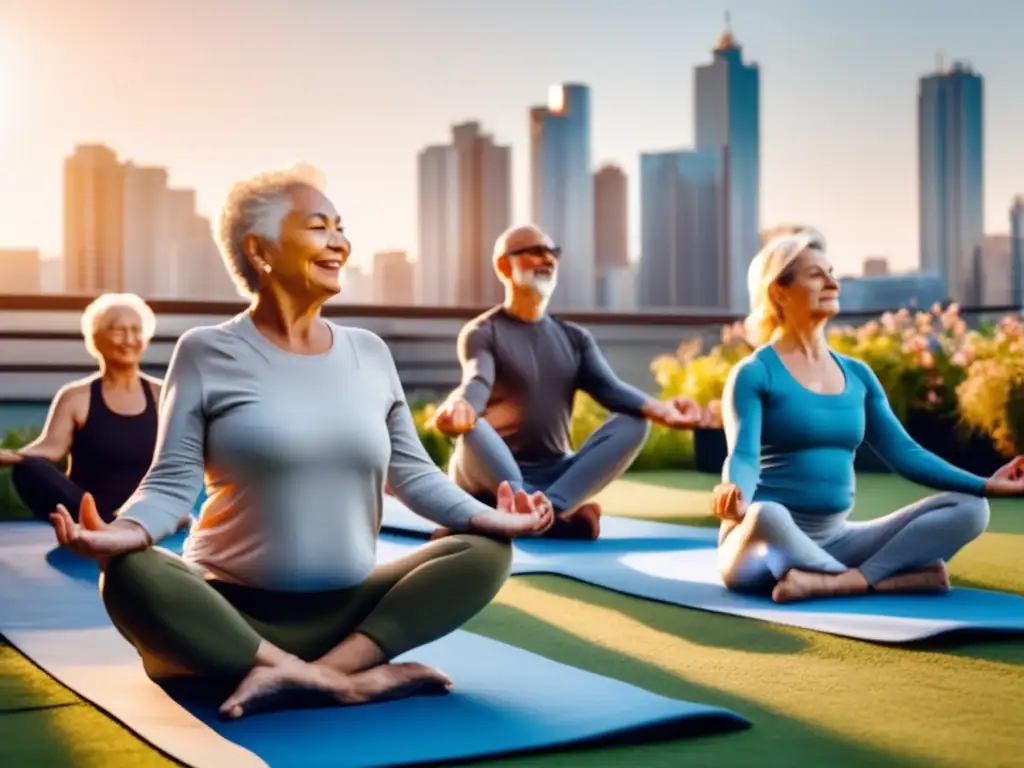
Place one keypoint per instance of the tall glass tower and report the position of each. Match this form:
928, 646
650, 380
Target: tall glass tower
1017, 250
563, 189
950, 120
728, 117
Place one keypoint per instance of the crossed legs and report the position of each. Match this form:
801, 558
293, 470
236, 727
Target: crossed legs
482, 461
903, 551
335, 644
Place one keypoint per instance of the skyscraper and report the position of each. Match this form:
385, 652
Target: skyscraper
682, 211
126, 230
562, 187
394, 279
611, 232
465, 191
728, 117
439, 226
1017, 249
93, 221
147, 232
950, 110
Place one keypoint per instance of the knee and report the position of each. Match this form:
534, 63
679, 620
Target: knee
487, 562
634, 430
765, 517
127, 578
972, 515
24, 473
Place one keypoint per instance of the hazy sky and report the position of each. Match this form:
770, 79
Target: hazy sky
216, 89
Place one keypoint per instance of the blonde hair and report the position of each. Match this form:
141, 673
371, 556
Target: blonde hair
772, 264
95, 317
258, 206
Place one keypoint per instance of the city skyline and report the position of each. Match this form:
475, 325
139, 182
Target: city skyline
865, 203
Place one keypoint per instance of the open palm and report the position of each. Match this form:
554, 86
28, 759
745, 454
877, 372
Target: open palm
90, 537
516, 514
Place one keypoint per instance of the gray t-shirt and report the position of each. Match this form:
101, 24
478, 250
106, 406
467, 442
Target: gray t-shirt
296, 450
522, 377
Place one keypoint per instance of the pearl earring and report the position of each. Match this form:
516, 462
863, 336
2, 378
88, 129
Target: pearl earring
266, 268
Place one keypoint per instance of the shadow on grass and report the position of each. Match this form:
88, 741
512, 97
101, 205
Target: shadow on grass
999, 647
707, 628
775, 738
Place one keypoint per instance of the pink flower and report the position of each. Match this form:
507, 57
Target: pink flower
926, 360
915, 343
933, 396
868, 330
888, 321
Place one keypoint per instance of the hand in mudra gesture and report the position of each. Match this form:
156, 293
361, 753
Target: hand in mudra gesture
515, 514
1008, 480
454, 417
92, 537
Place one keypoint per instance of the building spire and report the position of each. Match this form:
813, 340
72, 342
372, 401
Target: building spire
727, 42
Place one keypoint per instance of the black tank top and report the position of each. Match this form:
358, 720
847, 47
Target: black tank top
110, 453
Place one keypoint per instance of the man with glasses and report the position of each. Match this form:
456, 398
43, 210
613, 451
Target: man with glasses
521, 369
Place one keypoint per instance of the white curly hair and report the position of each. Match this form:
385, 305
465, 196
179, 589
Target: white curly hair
96, 317
257, 206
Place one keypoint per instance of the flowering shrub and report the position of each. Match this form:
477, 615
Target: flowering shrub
920, 358
991, 395
702, 377
665, 448
437, 445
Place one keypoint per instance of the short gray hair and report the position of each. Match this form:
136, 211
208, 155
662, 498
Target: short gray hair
94, 317
257, 206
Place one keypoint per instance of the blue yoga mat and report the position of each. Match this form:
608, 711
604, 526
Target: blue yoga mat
505, 700
677, 564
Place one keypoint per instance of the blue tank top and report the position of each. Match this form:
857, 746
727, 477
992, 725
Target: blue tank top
111, 453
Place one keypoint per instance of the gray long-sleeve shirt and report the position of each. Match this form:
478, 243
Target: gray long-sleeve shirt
521, 377
295, 450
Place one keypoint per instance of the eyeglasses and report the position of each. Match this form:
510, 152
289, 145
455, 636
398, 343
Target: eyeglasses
536, 250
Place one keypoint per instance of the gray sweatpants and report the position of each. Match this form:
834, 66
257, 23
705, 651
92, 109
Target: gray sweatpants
771, 540
482, 461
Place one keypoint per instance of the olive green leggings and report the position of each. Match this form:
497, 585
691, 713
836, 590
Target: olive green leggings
184, 623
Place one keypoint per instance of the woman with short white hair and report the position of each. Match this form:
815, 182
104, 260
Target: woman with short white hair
104, 424
297, 423
795, 412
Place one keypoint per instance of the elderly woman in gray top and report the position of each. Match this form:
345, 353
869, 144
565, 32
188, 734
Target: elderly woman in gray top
297, 424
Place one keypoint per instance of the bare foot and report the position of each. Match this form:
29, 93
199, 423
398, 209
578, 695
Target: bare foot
584, 522
397, 681
934, 578
266, 688
802, 585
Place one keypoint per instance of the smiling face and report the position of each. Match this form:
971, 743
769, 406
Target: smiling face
808, 291
119, 338
307, 259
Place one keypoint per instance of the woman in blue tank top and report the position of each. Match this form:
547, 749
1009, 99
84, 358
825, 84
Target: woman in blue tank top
795, 413
105, 424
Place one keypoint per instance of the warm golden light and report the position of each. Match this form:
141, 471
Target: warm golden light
556, 99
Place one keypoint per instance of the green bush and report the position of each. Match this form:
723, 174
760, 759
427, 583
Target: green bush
11, 507
665, 448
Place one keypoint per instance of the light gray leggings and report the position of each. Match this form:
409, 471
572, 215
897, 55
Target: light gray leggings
771, 540
482, 461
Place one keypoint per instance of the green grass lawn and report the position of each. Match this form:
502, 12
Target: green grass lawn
814, 699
